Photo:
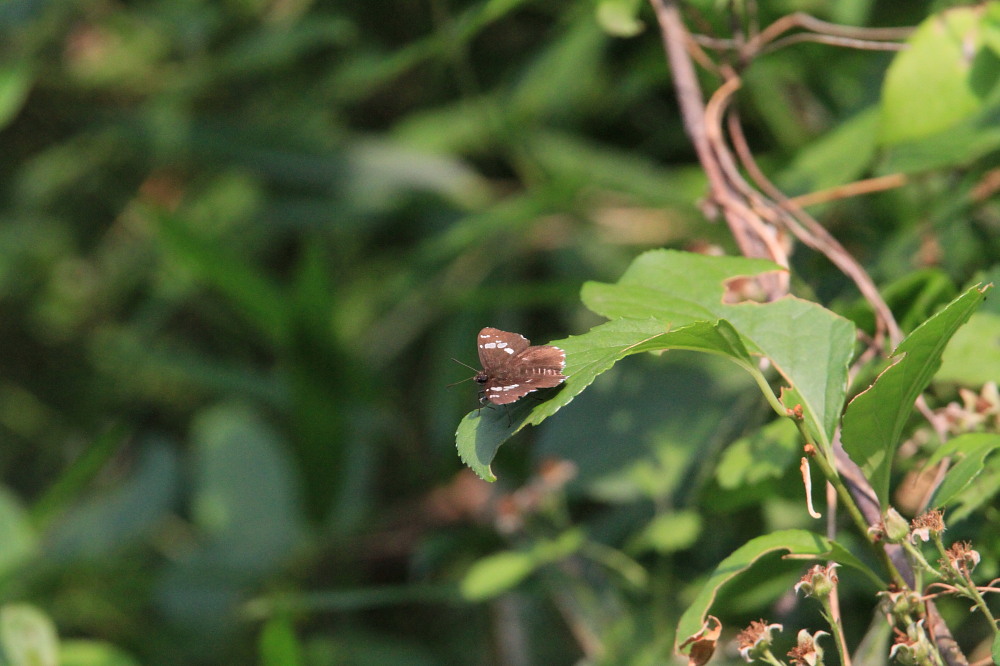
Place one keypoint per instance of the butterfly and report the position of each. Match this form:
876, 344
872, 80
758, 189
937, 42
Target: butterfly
512, 368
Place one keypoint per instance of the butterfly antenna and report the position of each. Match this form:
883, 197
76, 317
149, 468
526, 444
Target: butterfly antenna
465, 364
463, 380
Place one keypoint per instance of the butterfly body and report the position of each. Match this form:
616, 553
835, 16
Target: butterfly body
513, 368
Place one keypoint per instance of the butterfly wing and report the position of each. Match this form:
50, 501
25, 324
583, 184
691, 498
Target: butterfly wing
542, 366
497, 348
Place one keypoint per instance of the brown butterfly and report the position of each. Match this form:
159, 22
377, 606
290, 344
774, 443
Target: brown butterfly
512, 368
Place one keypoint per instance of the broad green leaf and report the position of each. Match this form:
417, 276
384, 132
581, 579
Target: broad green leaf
945, 74
499, 572
792, 542
28, 636
974, 449
809, 345
482, 432
874, 420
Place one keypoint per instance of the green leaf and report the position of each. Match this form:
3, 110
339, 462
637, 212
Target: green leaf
28, 636
620, 17
874, 420
248, 290
499, 572
838, 157
996, 648
973, 357
809, 345
959, 145
764, 454
668, 532
245, 496
18, 539
15, 82
974, 449
482, 432
97, 526
278, 644
793, 542
945, 73
81, 652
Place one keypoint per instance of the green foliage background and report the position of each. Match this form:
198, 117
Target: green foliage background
240, 242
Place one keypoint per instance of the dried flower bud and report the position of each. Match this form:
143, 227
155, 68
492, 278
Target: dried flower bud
755, 641
808, 652
962, 559
926, 524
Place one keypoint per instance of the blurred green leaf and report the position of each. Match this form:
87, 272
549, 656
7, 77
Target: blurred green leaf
973, 356
28, 636
99, 525
669, 532
764, 454
245, 495
18, 540
620, 17
15, 82
838, 157
973, 450
874, 420
249, 291
497, 573
79, 652
278, 643
945, 73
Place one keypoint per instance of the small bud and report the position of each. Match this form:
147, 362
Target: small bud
819, 581
896, 527
913, 648
755, 641
900, 603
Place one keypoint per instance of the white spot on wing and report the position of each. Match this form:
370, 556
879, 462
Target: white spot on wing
509, 350
490, 345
